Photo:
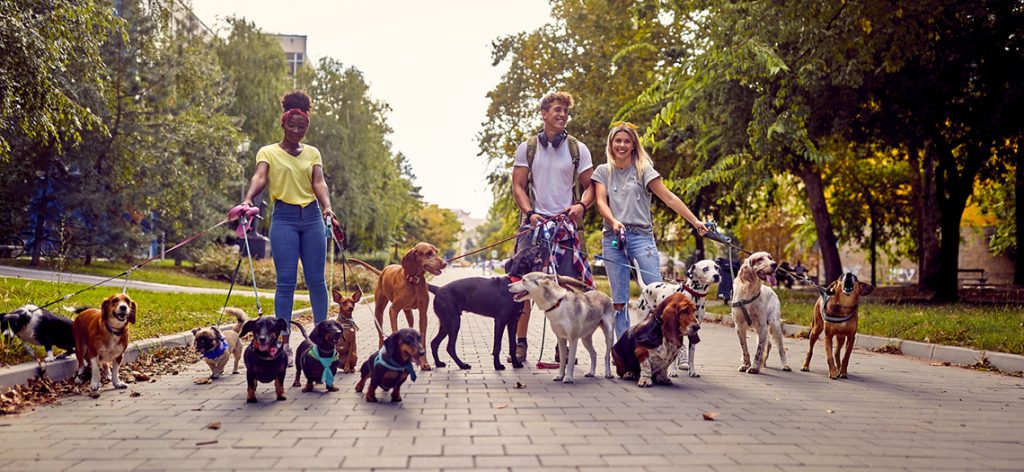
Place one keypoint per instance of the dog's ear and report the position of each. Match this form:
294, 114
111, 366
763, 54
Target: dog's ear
132, 306
689, 272
391, 344
410, 263
357, 295
105, 307
317, 336
747, 273
831, 290
194, 332
247, 328
866, 289
216, 331
281, 325
336, 296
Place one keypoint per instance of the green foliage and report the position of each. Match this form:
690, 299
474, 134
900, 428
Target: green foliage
438, 226
51, 54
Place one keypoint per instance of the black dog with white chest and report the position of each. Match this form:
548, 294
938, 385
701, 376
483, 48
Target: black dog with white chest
316, 355
485, 296
41, 327
266, 358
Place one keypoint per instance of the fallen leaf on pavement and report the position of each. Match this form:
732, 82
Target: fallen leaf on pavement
214, 425
206, 443
940, 364
202, 381
830, 411
710, 415
501, 406
134, 394
520, 385
140, 376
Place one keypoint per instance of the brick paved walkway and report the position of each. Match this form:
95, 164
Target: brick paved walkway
892, 414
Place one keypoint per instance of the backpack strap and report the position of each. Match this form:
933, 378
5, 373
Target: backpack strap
531, 153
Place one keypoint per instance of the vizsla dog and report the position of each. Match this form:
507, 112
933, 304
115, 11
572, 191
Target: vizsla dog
755, 305
404, 287
835, 313
347, 343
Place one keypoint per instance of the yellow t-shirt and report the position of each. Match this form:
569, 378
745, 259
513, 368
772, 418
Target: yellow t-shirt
291, 177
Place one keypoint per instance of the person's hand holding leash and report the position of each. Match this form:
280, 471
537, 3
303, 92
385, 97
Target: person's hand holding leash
575, 211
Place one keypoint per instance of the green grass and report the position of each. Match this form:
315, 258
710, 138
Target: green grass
162, 272
987, 327
158, 314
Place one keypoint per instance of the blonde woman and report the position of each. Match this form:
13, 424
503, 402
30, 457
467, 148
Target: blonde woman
623, 188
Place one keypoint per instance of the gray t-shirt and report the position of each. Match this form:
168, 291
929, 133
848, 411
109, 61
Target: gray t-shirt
552, 175
628, 196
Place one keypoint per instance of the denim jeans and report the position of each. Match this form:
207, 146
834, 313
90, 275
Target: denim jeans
639, 246
298, 233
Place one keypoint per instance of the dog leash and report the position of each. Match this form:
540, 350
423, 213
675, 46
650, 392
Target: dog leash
234, 276
516, 235
126, 273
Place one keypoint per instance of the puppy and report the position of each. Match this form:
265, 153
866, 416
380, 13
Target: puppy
266, 359
574, 316
101, 337
218, 347
392, 364
347, 343
317, 355
755, 304
835, 313
41, 327
649, 348
699, 279
485, 296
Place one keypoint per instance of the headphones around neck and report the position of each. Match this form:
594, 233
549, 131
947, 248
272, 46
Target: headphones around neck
543, 138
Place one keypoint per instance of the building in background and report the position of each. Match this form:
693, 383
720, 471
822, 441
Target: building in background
294, 46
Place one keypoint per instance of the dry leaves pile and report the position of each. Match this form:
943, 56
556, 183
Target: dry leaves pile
43, 391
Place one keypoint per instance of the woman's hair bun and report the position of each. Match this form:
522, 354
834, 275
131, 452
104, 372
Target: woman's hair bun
296, 99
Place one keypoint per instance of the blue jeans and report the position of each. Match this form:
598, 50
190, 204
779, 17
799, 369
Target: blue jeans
639, 246
298, 233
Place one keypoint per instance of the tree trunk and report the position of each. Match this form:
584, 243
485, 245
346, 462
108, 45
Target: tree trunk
927, 208
827, 241
1018, 176
38, 231
874, 248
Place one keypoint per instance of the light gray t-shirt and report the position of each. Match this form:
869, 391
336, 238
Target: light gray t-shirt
628, 195
552, 175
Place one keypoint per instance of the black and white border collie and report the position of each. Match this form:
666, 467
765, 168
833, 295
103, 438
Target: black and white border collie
39, 326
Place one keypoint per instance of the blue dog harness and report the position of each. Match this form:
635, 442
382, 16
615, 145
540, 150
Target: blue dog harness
328, 377
214, 354
382, 361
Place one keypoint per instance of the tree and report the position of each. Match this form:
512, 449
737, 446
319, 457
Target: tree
51, 51
438, 226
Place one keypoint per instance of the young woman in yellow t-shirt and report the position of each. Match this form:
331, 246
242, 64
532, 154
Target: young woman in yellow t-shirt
295, 174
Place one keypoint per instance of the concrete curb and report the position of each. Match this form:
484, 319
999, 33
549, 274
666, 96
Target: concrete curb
1002, 361
64, 369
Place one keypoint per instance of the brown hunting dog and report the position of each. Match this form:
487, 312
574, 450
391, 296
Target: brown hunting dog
836, 315
101, 337
405, 287
347, 343
647, 349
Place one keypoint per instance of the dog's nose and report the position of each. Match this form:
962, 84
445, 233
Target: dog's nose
716, 278
695, 327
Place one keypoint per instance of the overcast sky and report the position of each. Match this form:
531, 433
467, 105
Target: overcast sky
431, 61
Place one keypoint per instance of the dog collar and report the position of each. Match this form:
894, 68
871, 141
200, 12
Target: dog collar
328, 377
833, 317
380, 360
115, 332
696, 295
223, 346
556, 305
275, 351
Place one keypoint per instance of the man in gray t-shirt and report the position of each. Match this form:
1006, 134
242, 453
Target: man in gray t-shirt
545, 188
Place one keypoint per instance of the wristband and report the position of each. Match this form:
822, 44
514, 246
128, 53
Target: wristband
530, 214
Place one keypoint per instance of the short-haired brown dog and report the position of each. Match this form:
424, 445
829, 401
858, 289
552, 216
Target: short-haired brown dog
835, 313
388, 367
217, 347
347, 343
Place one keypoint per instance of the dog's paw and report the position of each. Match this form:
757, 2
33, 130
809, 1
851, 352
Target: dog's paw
465, 366
744, 368
568, 380
308, 388
673, 374
588, 374
440, 365
120, 386
805, 369
694, 374
628, 376
281, 398
786, 368
662, 380
371, 399
556, 379
250, 400
499, 366
517, 365
332, 388
644, 383
753, 370
396, 398
608, 375
426, 367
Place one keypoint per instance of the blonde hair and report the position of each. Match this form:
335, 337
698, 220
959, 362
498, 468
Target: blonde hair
641, 160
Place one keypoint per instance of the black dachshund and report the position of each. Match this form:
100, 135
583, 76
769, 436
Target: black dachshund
316, 355
266, 359
485, 296
392, 364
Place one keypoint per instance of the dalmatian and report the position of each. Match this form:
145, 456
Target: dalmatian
699, 278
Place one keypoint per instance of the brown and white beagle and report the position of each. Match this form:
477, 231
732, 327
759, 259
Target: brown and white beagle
101, 337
